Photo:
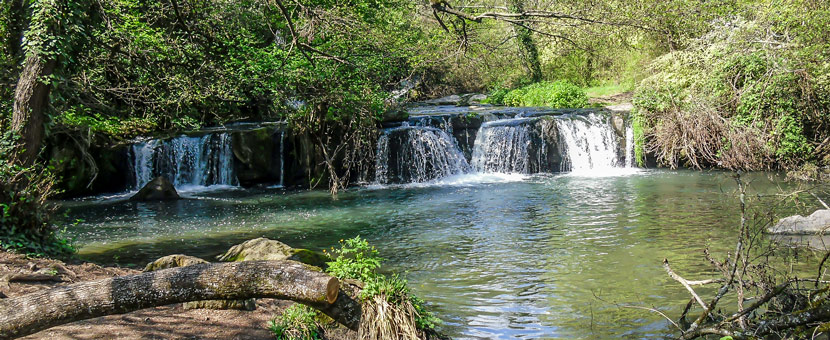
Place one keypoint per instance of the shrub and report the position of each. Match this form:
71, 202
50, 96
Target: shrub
728, 101
24, 211
297, 322
558, 94
390, 311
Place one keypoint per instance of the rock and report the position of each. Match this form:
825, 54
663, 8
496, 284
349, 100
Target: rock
258, 156
813, 242
159, 189
618, 122
448, 100
476, 99
179, 260
395, 114
263, 249
817, 222
173, 261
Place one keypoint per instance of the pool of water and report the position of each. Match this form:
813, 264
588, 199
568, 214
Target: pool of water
497, 257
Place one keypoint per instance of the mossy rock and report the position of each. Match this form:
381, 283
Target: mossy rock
263, 249
173, 261
179, 260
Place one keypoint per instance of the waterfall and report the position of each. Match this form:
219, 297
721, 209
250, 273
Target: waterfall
590, 142
502, 148
417, 154
185, 161
142, 162
629, 146
519, 145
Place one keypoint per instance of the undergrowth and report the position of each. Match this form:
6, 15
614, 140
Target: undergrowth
298, 322
390, 310
24, 210
743, 97
557, 94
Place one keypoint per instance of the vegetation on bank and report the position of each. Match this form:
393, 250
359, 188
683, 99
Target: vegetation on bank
390, 310
751, 93
557, 94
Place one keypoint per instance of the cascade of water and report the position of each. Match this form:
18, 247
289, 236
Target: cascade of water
590, 142
186, 161
502, 148
142, 162
417, 154
629, 147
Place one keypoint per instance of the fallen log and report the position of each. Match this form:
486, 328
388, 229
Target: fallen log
288, 280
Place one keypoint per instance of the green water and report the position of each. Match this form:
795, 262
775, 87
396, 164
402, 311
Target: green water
505, 258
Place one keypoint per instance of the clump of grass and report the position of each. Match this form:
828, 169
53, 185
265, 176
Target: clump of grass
298, 322
390, 310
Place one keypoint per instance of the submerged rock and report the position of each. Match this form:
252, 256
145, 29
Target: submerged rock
263, 249
179, 260
159, 189
817, 222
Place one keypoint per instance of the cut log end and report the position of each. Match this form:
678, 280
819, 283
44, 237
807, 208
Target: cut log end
332, 289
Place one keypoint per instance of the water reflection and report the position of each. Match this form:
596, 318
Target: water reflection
542, 257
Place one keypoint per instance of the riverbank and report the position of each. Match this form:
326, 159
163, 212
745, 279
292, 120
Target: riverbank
166, 322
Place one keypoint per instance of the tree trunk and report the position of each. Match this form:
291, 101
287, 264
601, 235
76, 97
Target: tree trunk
527, 47
30, 100
289, 280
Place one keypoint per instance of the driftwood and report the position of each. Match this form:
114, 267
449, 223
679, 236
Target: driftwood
289, 280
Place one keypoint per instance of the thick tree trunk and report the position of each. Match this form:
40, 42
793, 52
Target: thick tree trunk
30, 100
287, 280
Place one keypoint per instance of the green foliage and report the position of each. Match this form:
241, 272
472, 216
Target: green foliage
298, 322
24, 211
496, 96
357, 260
558, 94
79, 117
730, 101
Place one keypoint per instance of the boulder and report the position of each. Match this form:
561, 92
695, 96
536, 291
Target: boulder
179, 260
263, 249
173, 261
476, 99
395, 113
818, 222
159, 189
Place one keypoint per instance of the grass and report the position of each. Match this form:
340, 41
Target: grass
607, 90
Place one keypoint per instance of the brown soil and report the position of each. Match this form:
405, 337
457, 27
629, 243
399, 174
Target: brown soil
618, 98
167, 322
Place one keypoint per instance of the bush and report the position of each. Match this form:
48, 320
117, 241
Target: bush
558, 94
728, 101
389, 308
297, 322
24, 212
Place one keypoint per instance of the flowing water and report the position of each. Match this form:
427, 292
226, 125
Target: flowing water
497, 257
501, 245
186, 161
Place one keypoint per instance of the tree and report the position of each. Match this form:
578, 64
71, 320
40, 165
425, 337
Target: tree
31, 96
